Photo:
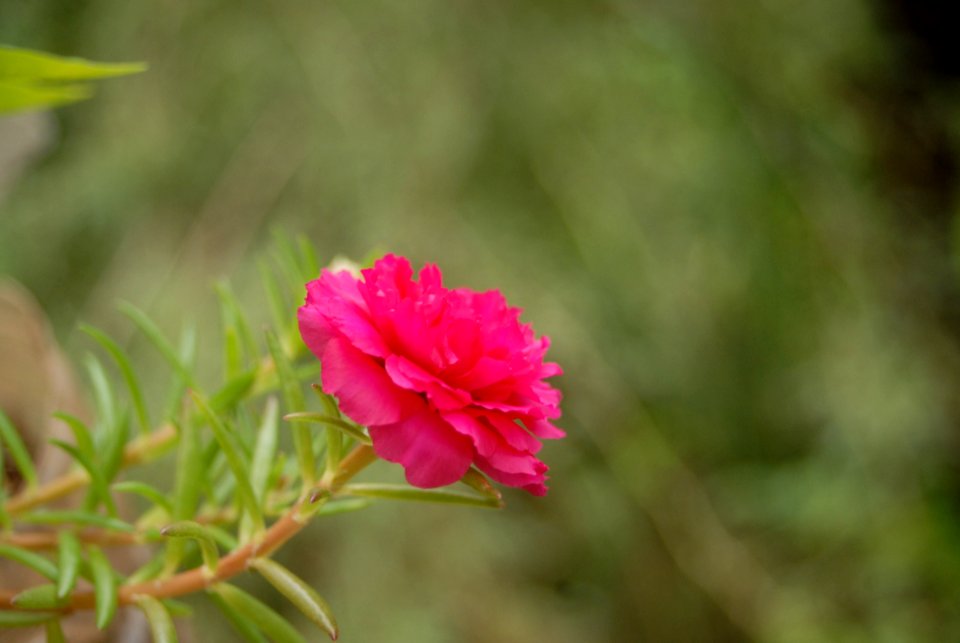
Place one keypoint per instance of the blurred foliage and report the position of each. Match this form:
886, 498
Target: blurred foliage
33, 79
735, 220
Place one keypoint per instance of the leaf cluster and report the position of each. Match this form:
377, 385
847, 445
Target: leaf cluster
236, 494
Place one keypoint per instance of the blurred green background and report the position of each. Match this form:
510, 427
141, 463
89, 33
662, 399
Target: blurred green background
735, 220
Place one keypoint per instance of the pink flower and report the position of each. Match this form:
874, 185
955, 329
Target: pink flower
441, 378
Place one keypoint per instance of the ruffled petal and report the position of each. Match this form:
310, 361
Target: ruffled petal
545, 429
431, 452
483, 436
336, 295
410, 376
366, 393
516, 469
514, 434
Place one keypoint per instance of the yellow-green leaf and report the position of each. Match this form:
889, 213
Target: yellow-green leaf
299, 593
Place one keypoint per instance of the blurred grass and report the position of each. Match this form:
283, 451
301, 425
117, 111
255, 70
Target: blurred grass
724, 214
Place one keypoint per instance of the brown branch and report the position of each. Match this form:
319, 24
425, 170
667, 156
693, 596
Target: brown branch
39, 540
197, 579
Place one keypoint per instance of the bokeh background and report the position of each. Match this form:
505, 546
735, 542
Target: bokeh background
735, 220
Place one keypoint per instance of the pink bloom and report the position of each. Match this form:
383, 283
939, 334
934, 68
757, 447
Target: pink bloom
442, 378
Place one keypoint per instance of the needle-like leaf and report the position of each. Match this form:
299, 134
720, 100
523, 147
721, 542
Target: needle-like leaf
97, 483
248, 499
272, 624
61, 517
293, 397
18, 450
39, 597
159, 341
161, 624
36, 562
54, 632
126, 370
104, 587
19, 618
154, 495
241, 624
299, 593
402, 492
330, 421
68, 552
197, 532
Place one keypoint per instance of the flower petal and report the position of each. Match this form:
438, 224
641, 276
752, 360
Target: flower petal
545, 429
515, 469
336, 297
410, 376
364, 390
431, 452
484, 438
514, 434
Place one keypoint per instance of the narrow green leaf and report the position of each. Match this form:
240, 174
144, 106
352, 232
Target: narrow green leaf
156, 337
289, 384
245, 492
229, 303
177, 608
18, 450
16, 95
187, 353
233, 391
223, 537
50, 517
97, 483
68, 556
126, 370
142, 489
326, 420
104, 587
103, 396
343, 505
478, 482
279, 309
264, 453
233, 348
81, 433
4, 516
151, 569
54, 631
272, 624
36, 562
241, 624
308, 259
18, 618
189, 471
190, 478
294, 264
197, 532
161, 624
402, 492
110, 454
223, 487
299, 593
232, 351
334, 439
40, 597
293, 397
17, 63
112, 436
